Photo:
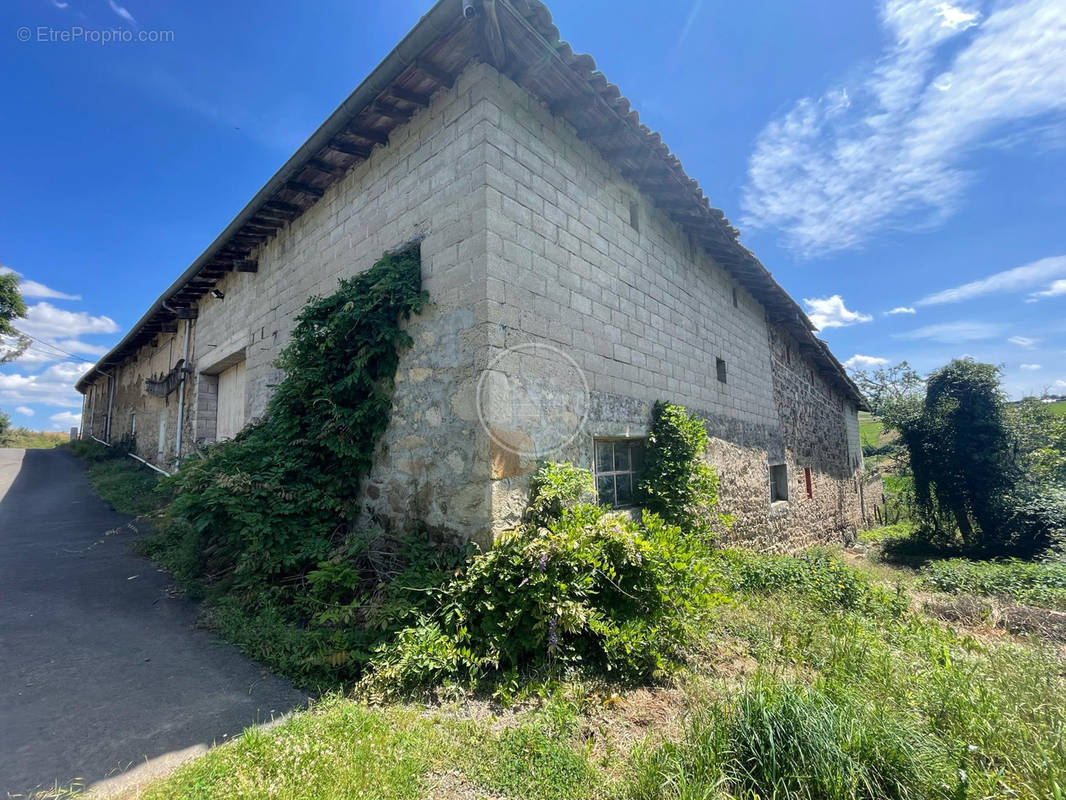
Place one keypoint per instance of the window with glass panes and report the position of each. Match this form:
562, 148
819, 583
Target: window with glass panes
618, 464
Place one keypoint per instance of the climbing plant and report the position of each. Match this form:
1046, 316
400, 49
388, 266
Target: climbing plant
676, 483
269, 505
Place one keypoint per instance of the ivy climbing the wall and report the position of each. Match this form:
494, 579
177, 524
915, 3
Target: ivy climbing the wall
275, 501
676, 483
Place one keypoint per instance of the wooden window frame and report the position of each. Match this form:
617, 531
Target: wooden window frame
633, 444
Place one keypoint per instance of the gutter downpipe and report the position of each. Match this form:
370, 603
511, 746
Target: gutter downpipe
92, 411
110, 405
181, 388
135, 457
149, 464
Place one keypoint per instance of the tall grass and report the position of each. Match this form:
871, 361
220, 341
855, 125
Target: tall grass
779, 739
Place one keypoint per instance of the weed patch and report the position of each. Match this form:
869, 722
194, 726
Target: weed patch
1040, 583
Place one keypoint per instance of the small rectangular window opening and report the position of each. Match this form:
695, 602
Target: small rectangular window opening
720, 366
736, 304
808, 483
618, 463
634, 216
778, 483
788, 354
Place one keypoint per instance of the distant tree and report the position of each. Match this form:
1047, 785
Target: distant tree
971, 456
5, 429
887, 385
982, 470
12, 307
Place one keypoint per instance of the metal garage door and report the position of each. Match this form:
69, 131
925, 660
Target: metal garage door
230, 402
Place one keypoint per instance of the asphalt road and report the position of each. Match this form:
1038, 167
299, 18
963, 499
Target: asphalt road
101, 665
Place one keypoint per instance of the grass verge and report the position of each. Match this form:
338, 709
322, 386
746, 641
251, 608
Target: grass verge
807, 682
129, 487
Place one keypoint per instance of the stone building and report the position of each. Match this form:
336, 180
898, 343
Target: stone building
576, 273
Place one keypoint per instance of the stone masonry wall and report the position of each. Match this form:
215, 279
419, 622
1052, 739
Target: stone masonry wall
133, 407
427, 184
543, 264
582, 264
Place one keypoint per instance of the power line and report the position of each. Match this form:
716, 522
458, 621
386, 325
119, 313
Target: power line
56, 349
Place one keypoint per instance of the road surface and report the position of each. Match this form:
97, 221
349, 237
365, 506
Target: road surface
101, 666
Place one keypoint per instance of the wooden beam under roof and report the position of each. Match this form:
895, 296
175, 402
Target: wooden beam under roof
304, 188
362, 132
441, 76
348, 149
408, 96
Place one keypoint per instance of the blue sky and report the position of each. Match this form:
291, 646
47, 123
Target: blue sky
899, 166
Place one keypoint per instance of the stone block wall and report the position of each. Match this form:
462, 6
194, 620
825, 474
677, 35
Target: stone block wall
581, 263
133, 407
542, 263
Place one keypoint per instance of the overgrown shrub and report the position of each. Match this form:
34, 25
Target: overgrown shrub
556, 487
581, 588
276, 500
675, 482
988, 476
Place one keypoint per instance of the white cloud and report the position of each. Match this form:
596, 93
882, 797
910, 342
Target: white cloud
52, 387
954, 332
891, 148
25, 411
857, 362
65, 420
1054, 290
1060, 384
57, 334
955, 17
829, 312
44, 320
902, 310
1023, 341
1036, 273
122, 12
34, 289
58, 4
1031, 366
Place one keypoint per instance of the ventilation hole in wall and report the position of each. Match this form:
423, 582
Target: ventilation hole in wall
720, 366
634, 216
735, 303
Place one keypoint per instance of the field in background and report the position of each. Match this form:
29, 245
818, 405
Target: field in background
33, 440
1058, 409
870, 430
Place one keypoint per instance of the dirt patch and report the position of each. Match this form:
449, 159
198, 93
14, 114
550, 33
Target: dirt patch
453, 785
991, 617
